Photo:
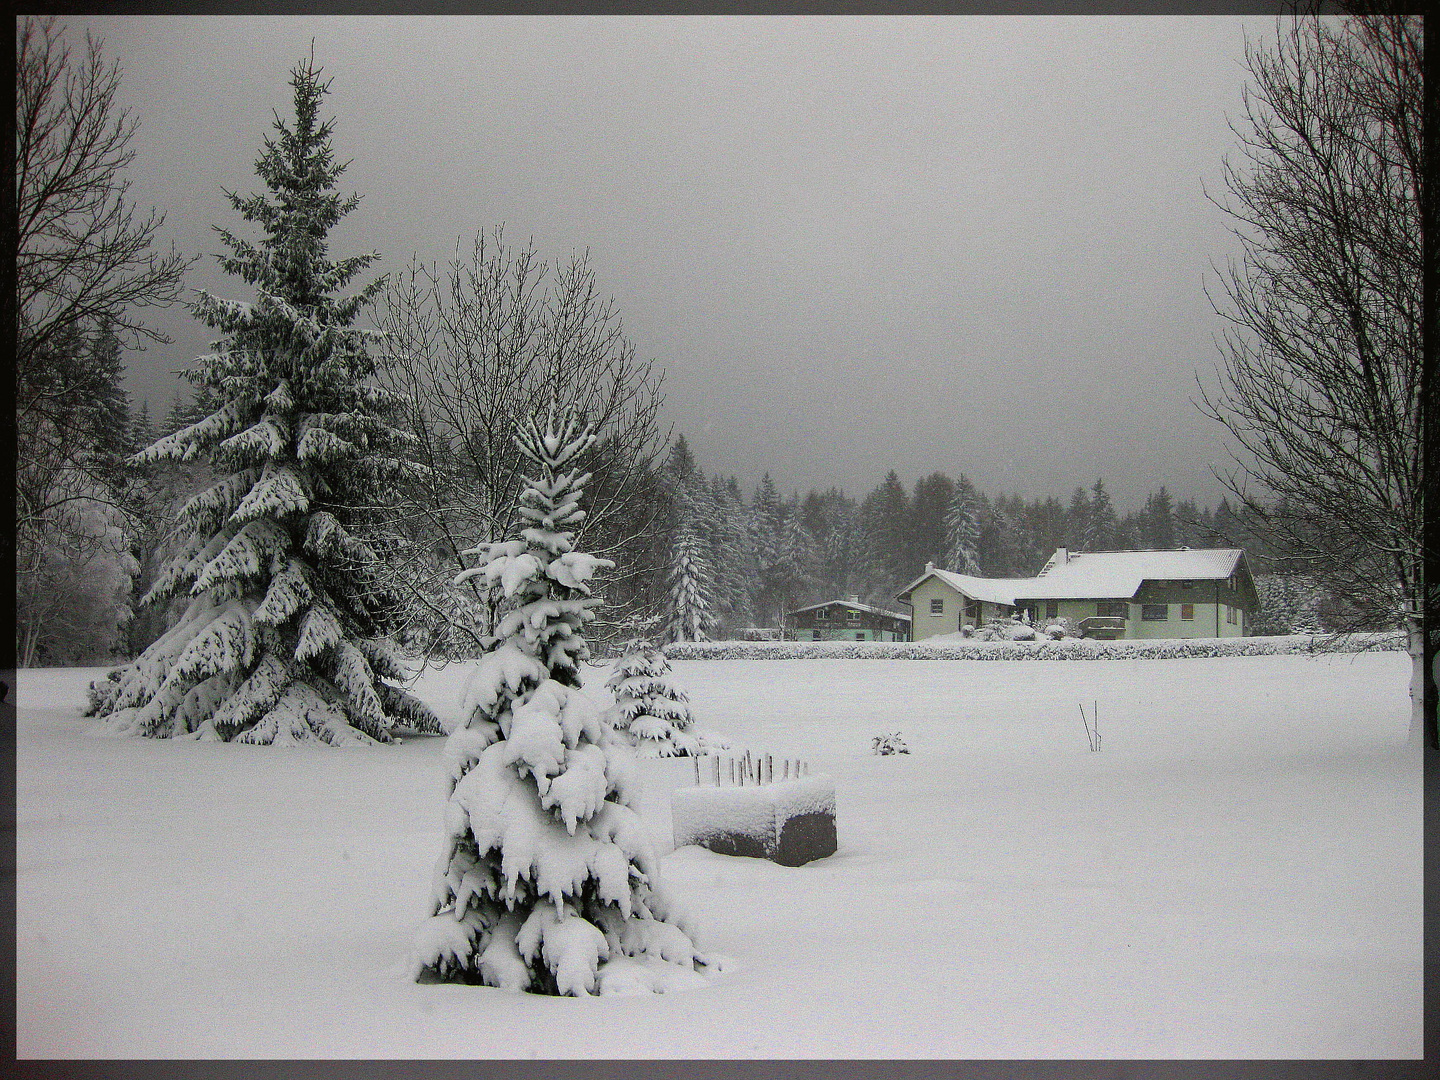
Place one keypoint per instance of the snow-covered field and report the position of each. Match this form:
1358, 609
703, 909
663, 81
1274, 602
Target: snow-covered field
1237, 873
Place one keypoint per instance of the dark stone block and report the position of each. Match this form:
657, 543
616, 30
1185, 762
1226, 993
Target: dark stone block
790, 823
805, 838
733, 843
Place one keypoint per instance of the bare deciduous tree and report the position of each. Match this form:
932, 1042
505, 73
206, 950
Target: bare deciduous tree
472, 349
83, 267
83, 255
1323, 357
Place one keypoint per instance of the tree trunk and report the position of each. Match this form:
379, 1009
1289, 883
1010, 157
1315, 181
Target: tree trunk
1415, 633
32, 637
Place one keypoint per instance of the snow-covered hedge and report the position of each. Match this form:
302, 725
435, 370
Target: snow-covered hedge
1066, 649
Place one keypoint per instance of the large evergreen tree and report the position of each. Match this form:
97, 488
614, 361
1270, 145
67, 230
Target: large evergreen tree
691, 582
1099, 532
547, 882
689, 575
767, 541
733, 557
284, 637
840, 563
885, 518
790, 576
1077, 520
928, 511
1159, 520
962, 530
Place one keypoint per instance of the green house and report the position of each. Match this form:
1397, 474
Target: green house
846, 620
1184, 593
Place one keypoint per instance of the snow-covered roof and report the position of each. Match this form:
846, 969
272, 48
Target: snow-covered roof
851, 604
1094, 575
990, 590
1091, 575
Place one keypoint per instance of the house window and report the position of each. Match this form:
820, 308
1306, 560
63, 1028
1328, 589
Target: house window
859, 635
937, 606
1154, 612
823, 615
1187, 612
1114, 609
852, 616
1229, 614
816, 635
1052, 609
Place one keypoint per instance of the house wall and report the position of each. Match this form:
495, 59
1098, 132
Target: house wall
848, 634
1213, 601
1203, 625
1074, 610
1172, 594
922, 623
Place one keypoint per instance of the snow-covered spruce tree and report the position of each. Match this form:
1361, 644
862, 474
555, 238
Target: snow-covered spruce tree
691, 588
732, 557
962, 531
654, 711
547, 882
283, 638
1289, 604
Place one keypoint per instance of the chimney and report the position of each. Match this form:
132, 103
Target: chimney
929, 566
1062, 556
853, 598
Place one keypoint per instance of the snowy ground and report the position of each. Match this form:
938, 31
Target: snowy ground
1237, 873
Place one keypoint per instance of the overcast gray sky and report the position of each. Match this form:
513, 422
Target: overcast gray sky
966, 244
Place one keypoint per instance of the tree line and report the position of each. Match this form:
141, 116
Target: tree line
741, 561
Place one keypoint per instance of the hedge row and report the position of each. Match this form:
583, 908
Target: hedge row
1066, 649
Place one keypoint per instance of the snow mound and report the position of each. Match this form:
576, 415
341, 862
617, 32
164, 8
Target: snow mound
627, 976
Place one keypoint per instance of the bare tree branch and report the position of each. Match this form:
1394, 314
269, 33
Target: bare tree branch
83, 253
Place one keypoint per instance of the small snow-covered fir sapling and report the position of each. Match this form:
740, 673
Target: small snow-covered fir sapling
649, 706
289, 608
547, 882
